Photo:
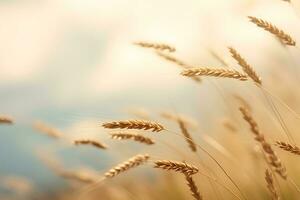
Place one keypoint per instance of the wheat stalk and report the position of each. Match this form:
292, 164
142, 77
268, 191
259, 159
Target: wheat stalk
272, 158
178, 62
181, 167
216, 72
6, 120
187, 135
245, 66
288, 147
125, 166
136, 137
218, 58
46, 129
156, 46
134, 124
280, 34
193, 187
271, 186
90, 142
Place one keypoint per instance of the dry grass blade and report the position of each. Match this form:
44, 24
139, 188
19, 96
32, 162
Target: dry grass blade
156, 46
280, 34
46, 129
193, 187
187, 135
271, 186
178, 62
134, 124
176, 166
272, 158
216, 72
90, 142
6, 120
136, 137
246, 67
288, 147
132, 162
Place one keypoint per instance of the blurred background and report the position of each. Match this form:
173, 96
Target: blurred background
72, 64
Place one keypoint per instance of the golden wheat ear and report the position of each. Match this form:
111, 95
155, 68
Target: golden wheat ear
156, 46
193, 187
6, 120
187, 135
288, 147
245, 66
181, 167
215, 72
134, 124
125, 166
133, 136
271, 156
280, 34
271, 186
47, 129
90, 142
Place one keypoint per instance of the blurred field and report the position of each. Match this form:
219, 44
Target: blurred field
69, 66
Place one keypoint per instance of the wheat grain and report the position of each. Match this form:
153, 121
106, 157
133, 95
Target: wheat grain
136, 137
216, 72
272, 158
156, 46
288, 147
90, 142
280, 34
6, 120
193, 187
187, 135
176, 166
270, 184
245, 66
134, 124
125, 166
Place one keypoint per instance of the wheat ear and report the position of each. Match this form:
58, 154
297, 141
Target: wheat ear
125, 166
271, 186
193, 187
181, 167
245, 66
90, 142
187, 135
6, 120
46, 129
272, 158
215, 72
134, 124
280, 34
156, 46
288, 147
136, 137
